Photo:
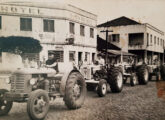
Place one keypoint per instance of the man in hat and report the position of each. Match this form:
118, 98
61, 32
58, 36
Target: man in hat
52, 62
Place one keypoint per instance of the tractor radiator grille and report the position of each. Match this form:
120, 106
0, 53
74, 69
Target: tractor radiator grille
17, 83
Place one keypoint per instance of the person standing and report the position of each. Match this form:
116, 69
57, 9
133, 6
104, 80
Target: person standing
101, 61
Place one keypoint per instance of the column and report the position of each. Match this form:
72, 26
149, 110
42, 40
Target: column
145, 57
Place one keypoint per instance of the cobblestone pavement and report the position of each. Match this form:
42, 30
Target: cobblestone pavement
133, 103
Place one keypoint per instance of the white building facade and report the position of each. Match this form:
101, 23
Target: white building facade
67, 30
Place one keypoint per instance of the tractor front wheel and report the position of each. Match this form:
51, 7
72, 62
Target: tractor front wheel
38, 104
102, 88
5, 106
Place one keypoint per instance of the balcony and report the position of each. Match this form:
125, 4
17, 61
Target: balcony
136, 41
136, 47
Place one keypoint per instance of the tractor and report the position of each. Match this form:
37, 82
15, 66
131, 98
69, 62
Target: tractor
100, 77
37, 86
136, 72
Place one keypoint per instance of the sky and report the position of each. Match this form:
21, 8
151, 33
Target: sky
144, 11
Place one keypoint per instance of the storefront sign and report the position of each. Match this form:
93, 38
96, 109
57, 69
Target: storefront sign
81, 19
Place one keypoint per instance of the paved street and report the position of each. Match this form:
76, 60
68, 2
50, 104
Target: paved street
133, 103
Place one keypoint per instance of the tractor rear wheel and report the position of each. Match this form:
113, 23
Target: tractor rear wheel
143, 74
115, 79
75, 91
38, 104
5, 106
102, 88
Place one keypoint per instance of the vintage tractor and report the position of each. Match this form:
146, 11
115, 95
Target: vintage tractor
38, 86
154, 71
99, 78
137, 73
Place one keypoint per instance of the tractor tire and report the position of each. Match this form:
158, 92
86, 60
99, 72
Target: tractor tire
133, 80
162, 72
5, 106
38, 104
75, 91
102, 88
115, 79
143, 74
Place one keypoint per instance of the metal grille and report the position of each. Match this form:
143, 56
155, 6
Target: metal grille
17, 83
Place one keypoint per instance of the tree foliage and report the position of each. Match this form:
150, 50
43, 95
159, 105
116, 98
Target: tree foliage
19, 45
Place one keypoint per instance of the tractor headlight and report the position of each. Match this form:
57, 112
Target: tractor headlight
33, 81
8, 81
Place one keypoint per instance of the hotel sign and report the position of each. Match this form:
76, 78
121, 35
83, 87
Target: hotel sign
19, 10
42, 12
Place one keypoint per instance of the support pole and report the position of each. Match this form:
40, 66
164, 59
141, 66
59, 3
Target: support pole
152, 58
106, 54
163, 58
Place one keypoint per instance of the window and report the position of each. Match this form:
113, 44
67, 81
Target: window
150, 38
58, 55
82, 30
115, 38
26, 24
91, 32
71, 56
161, 42
72, 29
93, 57
158, 41
0, 22
48, 25
155, 40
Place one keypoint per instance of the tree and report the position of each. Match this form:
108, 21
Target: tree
19, 45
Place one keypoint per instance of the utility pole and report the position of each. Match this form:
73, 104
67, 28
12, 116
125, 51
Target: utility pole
106, 55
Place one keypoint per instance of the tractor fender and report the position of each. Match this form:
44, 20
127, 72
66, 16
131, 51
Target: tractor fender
64, 80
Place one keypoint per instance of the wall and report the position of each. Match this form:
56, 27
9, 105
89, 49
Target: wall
123, 31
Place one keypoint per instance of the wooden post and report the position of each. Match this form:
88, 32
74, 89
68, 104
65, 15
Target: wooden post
106, 57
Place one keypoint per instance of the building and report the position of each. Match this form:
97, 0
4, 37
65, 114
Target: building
144, 40
65, 29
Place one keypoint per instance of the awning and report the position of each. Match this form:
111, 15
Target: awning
115, 53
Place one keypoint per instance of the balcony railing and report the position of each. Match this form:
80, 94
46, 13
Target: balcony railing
135, 46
